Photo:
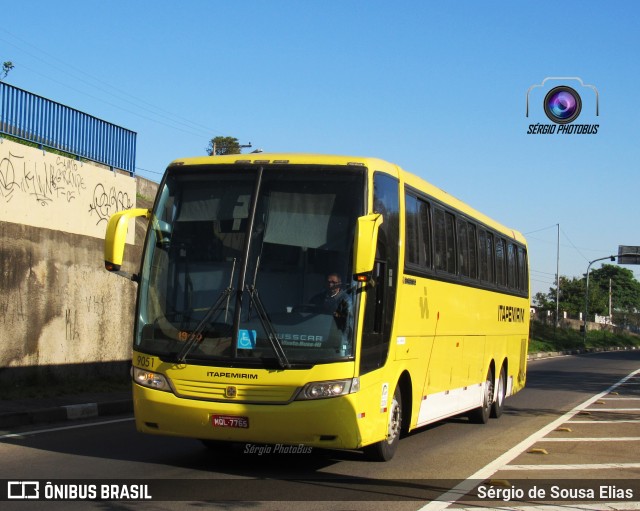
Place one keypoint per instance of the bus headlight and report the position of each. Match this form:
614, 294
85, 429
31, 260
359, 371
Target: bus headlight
150, 379
324, 389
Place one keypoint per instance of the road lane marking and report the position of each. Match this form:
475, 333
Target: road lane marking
614, 409
621, 399
62, 428
584, 466
456, 493
605, 506
593, 439
621, 421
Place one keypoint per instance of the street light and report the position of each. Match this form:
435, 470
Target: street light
586, 300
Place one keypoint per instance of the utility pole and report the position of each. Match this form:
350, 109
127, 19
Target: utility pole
558, 279
612, 257
610, 317
586, 299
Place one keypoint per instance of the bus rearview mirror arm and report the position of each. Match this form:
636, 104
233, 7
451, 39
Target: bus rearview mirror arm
115, 238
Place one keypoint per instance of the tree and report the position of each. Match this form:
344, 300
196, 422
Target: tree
6, 67
625, 293
625, 289
571, 296
219, 146
542, 301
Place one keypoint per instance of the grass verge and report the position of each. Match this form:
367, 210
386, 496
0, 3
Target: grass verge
548, 338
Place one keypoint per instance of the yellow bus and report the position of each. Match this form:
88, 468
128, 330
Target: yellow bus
319, 302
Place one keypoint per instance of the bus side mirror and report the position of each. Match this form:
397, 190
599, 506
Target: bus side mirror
364, 252
115, 238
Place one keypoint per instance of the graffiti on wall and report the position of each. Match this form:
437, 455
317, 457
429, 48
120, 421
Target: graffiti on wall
105, 203
41, 181
51, 191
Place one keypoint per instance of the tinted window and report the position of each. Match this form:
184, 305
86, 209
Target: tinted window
444, 226
512, 267
501, 277
467, 246
418, 232
473, 246
463, 248
523, 279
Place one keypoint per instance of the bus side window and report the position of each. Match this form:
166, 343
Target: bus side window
523, 279
512, 269
380, 300
417, 232
463, 248
501, 277
473, 247
445, 237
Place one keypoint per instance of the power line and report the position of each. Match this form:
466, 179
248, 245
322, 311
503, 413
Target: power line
543, 272
101, 85
575, 248
554, 226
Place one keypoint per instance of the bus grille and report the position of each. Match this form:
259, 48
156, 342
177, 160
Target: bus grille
214, 391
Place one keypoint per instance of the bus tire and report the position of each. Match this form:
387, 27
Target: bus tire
498, 405
385, 449
481, 414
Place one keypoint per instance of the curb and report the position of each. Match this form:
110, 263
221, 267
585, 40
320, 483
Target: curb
73, 412
579, 351
64, 413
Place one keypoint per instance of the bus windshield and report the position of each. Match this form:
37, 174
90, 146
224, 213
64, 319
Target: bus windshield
204, 300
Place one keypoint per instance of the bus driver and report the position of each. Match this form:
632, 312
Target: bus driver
334, 300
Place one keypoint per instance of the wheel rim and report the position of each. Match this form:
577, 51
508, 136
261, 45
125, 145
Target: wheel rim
395, 419
500, 396
488, 395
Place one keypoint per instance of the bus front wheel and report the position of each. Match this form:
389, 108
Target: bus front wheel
385, 449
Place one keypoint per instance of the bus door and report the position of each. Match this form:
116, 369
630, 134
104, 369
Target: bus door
381, 295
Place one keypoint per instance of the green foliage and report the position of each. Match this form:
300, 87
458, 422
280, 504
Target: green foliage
625, 288
572, 295
51, 150
625, 293
219, 146
6, 67
546, 337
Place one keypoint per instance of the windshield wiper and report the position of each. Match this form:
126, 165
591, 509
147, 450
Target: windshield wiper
194, 337
268, 327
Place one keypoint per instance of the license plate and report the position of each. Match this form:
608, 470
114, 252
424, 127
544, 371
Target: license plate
229, 421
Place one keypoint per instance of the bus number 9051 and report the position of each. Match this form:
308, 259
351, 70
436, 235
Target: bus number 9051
144, 361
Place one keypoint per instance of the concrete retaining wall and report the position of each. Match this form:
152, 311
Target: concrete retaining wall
61, 313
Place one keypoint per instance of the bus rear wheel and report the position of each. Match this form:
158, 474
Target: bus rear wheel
385, 449
498, 405
481, 414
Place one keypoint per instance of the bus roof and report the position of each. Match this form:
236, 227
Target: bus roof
371, 163
293, 158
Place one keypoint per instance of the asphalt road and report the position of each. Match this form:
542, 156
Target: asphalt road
576, 423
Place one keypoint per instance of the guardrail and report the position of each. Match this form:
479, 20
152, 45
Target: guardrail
49, 124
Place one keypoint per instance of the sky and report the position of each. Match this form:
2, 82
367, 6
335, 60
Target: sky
439, 88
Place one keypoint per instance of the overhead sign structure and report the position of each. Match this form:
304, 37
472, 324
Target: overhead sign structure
628, 254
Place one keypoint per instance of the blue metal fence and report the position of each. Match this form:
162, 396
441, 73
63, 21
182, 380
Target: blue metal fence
50, 124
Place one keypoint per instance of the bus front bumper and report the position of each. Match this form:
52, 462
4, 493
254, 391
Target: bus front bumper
327, 423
